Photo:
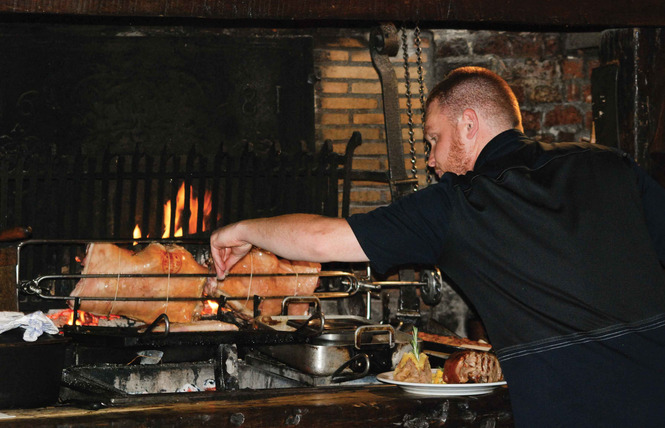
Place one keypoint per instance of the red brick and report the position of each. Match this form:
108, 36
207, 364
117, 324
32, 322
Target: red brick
565, 137
453, 47
368, 118
590, 65
519, 93
361, 56
348, 42
553, 45
372, 149
334, 118
417, 118
417, 134
366, 88
508, 44
572, 68
413, 58
372, 164
563, 115
531, 120
544, 94
337, 134
369, 134
586, 93
349, 103
334, 87
588, 119
573, 92
337, 55
348, 72
360, 209
365, 195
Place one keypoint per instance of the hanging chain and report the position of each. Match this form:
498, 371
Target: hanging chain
421, 88
409, 110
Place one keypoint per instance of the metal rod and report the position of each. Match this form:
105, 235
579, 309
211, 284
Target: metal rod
185, 275
396, 283
329, 295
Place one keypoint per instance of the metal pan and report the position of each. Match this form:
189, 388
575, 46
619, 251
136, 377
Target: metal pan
367, 348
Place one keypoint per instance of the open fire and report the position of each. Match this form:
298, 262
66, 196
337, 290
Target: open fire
179, 217
193, 209
66, 316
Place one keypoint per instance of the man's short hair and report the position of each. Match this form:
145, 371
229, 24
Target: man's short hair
480, 89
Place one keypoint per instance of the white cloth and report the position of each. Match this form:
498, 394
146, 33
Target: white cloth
35, 324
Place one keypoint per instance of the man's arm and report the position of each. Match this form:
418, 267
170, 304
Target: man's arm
303, 237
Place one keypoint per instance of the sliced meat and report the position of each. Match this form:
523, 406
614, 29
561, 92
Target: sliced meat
259, 261
473, 367
105, 258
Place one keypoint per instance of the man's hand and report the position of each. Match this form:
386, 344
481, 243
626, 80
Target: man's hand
227, 251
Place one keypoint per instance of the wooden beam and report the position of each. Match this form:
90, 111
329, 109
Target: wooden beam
443, 13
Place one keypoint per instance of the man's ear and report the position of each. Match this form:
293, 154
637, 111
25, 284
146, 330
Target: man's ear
469, 123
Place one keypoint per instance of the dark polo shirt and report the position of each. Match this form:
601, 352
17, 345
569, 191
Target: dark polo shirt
560, 248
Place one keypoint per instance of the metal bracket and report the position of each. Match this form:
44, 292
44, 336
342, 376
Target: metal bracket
384, 43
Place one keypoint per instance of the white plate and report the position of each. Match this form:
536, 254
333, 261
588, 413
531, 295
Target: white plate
441, 389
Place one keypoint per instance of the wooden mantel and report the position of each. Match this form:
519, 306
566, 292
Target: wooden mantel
443, 13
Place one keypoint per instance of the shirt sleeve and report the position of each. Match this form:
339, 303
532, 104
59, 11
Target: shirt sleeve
409, 231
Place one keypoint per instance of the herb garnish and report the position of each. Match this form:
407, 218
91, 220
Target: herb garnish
414, 343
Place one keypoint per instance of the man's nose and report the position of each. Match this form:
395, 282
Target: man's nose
430, 160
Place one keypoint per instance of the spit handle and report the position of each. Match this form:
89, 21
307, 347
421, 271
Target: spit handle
356, 361
156, 322
374, 329
305, 329
300, 299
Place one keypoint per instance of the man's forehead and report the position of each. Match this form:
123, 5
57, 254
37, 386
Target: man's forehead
434, 113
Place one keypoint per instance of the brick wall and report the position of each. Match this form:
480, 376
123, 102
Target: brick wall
549, 74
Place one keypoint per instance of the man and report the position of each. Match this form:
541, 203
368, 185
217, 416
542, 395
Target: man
559, 247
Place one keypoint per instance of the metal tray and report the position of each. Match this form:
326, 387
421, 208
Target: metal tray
345, 343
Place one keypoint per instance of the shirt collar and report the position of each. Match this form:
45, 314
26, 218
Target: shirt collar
501, 145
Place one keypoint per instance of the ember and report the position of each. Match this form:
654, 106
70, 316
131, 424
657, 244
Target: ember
66, 317
210, 307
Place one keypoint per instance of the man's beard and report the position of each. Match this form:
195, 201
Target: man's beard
459, 161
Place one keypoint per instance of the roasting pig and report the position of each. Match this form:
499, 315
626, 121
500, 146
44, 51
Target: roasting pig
106, 258
259, 261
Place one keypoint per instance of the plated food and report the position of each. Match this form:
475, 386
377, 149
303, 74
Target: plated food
441, 389
414, 365
456, 342
472, 367
464, 366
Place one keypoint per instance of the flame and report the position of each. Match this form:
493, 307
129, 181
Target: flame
210, 308
137, 233
193, 209
180, 207
66, 317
